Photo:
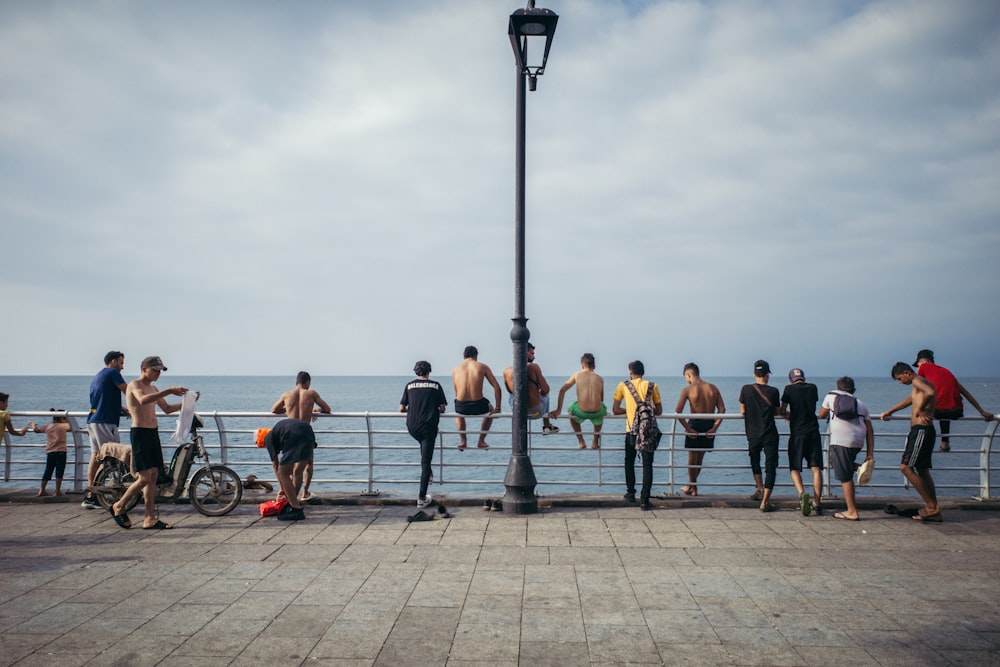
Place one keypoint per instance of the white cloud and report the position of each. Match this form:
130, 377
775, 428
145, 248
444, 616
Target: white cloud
331, 186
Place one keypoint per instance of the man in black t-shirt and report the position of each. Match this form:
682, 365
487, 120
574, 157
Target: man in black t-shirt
758, 405
798, 407
423, 402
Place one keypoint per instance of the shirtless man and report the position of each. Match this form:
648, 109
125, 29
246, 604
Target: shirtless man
538, 392
589, 403
142, 398
467, 379
300, 403
699, 434
916, 463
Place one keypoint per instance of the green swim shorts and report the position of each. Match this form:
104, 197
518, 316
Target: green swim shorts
595, 418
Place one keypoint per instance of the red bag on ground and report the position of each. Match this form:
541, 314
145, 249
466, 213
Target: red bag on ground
272, 507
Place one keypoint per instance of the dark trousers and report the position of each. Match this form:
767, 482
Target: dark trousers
426, 437
54, 462
769, 445
647, 469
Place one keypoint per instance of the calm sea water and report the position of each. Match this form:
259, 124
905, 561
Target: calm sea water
555, 457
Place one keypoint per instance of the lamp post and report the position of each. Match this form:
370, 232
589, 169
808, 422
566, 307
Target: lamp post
519, 481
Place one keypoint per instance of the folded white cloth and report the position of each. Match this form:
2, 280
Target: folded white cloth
185, 418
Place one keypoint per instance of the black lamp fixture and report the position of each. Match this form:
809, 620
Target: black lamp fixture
531, 22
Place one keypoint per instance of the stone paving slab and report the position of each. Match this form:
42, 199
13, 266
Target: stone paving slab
603, 585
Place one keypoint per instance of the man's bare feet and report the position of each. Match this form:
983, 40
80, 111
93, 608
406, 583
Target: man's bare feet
461, 446
58, 493
482, 445
596, 445
40, 493
690, 490
583, 445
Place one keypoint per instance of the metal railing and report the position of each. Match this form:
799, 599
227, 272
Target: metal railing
362, 451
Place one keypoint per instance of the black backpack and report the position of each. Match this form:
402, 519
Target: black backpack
845, 407
644, 428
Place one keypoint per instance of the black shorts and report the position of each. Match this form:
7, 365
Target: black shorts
700, 441
146, 451
291, 441
805, 446
473, 408
919, 447
950, 413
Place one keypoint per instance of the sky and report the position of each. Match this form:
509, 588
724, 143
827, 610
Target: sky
258, 188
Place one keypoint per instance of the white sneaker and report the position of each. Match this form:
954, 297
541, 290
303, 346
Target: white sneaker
549, 430
426, 501
89, 504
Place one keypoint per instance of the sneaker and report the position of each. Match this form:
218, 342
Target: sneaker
426, 501
645, 507
89, 503
291, 514
817, 509
767, 507
487, 504
804, 504
497, 506
629, 497
549, 430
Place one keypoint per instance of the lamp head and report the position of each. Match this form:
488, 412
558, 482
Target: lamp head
531, 22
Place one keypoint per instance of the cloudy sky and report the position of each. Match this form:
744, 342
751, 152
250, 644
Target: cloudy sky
263, 187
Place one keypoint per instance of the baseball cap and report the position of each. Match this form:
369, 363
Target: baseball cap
796, 374
153, 362
924, 354
761, 368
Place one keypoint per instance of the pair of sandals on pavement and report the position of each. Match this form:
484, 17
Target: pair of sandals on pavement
123, 521
915, 513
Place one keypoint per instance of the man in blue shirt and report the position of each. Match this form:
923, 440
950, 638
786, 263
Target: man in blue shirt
106, 390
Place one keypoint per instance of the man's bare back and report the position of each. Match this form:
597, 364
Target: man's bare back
468, 378
589, 390
703, 397
300, 403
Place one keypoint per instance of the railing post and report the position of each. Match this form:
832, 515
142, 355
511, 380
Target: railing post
984, 460
82, 463
6, 457
223, 443
371, 454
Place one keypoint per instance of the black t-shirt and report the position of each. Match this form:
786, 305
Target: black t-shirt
801, 398
423, 400
757, 414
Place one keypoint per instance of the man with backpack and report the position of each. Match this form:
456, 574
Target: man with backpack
758, 405
642, 404
850, 427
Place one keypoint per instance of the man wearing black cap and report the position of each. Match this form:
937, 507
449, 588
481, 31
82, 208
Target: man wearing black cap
142, 398
949, 394
798, 406
759, 405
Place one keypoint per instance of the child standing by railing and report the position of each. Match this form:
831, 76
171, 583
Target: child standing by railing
55, 450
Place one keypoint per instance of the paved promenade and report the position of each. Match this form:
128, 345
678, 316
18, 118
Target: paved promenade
688, 584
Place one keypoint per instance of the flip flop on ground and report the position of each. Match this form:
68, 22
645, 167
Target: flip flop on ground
121, 519
929, 518
841, 515
159, 525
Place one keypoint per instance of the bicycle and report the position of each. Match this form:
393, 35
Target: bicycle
213, 489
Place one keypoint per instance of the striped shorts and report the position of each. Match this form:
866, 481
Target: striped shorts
919, 447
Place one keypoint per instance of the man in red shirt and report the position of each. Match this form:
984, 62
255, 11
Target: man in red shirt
949, 394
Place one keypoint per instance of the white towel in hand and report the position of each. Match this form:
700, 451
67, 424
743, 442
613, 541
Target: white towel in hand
184, 420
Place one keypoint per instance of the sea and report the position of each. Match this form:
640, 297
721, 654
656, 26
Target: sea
559, 465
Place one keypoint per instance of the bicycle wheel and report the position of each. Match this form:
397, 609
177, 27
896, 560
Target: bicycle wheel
215, 491
110, 483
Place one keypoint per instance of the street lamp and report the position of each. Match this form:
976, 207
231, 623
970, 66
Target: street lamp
519, 481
